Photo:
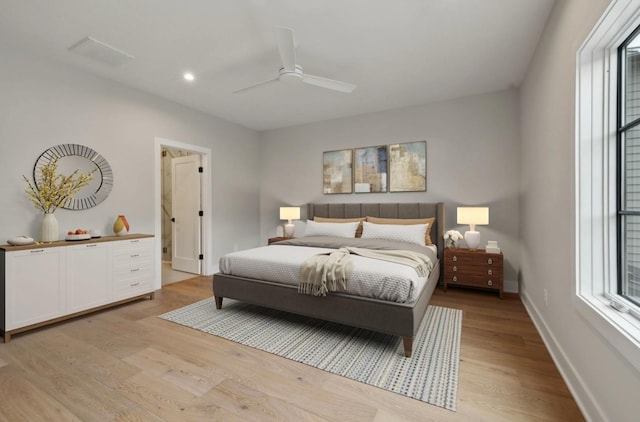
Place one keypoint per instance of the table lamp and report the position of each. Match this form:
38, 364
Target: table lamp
473, 216
289, 213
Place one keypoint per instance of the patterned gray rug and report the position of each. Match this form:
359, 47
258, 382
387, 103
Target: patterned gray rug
430, 375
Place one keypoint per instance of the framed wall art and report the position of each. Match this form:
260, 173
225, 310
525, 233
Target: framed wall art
408, 167
370, 169
337, 171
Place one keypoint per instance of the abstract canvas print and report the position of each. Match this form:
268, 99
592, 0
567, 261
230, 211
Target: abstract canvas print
370, 169
337, 171
408, 167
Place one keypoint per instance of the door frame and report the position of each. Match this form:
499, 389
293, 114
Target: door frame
207, 220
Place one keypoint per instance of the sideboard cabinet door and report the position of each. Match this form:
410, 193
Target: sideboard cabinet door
88, 276
35, 286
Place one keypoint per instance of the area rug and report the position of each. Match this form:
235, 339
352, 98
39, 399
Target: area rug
430, 375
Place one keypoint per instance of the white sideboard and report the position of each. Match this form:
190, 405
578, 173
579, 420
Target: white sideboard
46, 283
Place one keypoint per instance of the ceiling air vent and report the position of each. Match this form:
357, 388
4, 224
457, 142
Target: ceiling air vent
101, 52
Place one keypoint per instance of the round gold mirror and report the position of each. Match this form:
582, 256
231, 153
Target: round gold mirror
72, 157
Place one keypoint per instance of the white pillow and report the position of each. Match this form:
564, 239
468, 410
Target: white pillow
410, 233
315, 228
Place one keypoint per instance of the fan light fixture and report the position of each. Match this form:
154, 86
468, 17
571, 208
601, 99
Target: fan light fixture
291, 72
289, 213
473, 216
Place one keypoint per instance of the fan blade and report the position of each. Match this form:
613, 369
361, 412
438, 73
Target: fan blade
328, 83
286, 47
255, 85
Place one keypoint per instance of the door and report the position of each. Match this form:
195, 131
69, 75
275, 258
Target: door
185, 211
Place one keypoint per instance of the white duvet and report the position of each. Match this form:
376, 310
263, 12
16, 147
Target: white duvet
370, 277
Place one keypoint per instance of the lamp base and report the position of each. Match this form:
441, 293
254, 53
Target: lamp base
289, 229
472, 239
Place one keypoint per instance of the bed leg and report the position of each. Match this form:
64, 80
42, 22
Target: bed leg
407, 342
218, 302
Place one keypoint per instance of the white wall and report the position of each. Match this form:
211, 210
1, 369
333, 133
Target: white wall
472, 150
43, 104
604, 383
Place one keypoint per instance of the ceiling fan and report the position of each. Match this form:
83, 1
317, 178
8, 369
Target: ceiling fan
290, 72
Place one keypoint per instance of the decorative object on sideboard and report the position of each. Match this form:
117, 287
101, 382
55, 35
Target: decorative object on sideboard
473, 216
290, 214
492, 247
80, 160
121, 226
50, 190
49, 228
451, 237
20, 240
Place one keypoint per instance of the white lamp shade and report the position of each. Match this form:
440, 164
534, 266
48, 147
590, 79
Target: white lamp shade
473, 215
289, 213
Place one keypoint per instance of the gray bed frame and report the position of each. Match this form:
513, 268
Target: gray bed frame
377, 315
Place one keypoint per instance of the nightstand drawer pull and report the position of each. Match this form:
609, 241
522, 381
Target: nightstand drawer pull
455, 278
489, 271
489, 261
455, 258
490, 283
455, 268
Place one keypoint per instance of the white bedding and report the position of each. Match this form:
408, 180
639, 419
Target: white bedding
370, 277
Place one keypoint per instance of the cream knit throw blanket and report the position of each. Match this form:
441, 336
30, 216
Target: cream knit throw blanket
324, 273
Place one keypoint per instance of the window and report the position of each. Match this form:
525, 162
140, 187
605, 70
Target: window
607, 178
628, 168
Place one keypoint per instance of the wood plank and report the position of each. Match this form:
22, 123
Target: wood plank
127, 364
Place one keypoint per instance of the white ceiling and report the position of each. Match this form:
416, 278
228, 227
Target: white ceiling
399, 53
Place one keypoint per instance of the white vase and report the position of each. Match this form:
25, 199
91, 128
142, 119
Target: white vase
49, 228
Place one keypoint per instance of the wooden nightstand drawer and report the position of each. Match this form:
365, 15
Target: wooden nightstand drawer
474, 281
464, 267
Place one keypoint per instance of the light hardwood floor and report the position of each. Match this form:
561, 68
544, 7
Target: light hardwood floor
126, 364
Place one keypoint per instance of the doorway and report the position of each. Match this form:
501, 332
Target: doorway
182, 195
181, 226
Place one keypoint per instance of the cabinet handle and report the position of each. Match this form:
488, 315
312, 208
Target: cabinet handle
490, 283
135, 269
489, 271
134, 241
93, 245
455, 268
36, 250
135, 255
489, 261
455, 258
134, 284
455, 278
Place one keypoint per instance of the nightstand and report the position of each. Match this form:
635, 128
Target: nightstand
477, 268
277, 239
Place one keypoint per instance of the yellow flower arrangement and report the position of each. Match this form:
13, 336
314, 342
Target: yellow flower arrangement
54, 189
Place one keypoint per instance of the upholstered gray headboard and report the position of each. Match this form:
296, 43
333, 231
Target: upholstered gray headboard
387, 210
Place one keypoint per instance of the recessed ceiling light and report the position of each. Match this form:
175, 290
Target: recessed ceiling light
188, 76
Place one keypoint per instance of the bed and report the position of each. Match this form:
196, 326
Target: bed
381, 315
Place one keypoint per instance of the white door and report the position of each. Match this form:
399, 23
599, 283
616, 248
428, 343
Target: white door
185, 211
